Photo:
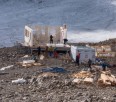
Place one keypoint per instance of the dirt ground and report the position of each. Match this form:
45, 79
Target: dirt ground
56, 88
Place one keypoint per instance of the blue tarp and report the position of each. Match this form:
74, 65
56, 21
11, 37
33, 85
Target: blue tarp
54, 70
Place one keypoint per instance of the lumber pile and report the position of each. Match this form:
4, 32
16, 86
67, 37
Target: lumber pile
88, 80
107, 79
29, 63
82, 74
83, 77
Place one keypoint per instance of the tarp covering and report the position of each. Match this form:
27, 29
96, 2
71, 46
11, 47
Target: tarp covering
54, 70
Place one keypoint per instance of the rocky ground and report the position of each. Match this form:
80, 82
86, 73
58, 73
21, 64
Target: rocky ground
55, 88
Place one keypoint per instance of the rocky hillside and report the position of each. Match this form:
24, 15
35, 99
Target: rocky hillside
108, 42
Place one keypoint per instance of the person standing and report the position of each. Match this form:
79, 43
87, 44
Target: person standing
39, 50
55, 53
89, 63
104, 65
50, 49
78, 58
65, 41
51, 39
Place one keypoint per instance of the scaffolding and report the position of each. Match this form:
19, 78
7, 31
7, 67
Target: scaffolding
37, 35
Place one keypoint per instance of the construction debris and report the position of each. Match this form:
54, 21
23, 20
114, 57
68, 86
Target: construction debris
28, 61
26, 56
26, 65
48, 74
41, 57
88, 80
4, 68
77, 80
98, 66
37, 64
107, 78
31, 64
54, 70
82, 75
19, 81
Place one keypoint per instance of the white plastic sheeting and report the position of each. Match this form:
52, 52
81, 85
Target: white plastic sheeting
19, 81
28, 61
8, 67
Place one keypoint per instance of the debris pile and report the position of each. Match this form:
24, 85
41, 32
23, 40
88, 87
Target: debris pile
28, 61
8, 67
107, 78
83, 76
19, 81
54, 70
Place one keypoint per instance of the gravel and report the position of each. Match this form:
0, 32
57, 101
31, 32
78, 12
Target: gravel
46, 89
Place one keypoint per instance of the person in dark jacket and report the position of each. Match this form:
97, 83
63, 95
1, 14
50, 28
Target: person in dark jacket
65, 41
51, 39
78, 59
55, 53
89, 63
104, 65
39, 50
51, 50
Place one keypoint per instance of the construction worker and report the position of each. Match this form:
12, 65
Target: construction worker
50, 49
78, 58
55, 53
65, 41
104, 65
89, 63
39, 50
51, 39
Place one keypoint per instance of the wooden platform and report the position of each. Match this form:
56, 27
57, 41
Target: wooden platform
60, 47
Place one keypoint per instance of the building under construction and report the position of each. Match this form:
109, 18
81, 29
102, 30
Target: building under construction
38, 35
